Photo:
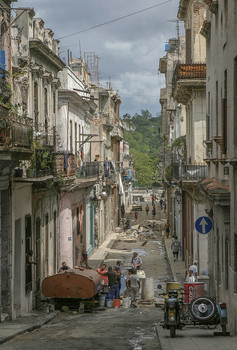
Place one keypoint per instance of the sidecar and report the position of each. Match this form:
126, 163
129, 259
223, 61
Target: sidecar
204, 311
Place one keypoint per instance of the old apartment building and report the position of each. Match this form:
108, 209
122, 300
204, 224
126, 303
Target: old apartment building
205, 83
61, 161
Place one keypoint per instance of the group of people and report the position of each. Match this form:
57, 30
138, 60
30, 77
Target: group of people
153, 210
113, 278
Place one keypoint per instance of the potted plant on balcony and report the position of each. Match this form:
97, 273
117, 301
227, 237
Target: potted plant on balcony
30, 172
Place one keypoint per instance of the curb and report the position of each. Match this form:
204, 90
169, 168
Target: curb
38, 325
170, 260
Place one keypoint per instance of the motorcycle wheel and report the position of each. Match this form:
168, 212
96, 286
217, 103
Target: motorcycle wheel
202, 309
172, 331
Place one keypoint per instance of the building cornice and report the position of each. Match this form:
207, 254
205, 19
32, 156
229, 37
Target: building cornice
41, 48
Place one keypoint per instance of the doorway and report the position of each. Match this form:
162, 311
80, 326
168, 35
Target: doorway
17, 267
38, 263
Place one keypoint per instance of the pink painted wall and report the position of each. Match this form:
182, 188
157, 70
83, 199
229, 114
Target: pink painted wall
66, 231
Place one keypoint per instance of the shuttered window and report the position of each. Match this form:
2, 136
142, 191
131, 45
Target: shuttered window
188, 46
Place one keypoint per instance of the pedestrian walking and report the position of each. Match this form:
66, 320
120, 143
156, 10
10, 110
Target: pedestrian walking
154, 212
164, 206
136, 215
161, 203
167, 229
152, 200
147, 210
175, 246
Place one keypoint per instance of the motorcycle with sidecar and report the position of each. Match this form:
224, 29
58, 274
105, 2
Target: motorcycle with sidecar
200, 311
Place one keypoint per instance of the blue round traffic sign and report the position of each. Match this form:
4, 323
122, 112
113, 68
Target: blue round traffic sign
203, 224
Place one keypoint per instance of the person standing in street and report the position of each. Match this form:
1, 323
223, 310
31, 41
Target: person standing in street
167, 229
175, 246
134, 285
113, 282
136, 261
194, 270
161, 203
154, 212
135, 215
147, 210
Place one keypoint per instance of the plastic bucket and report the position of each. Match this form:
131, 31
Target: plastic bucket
116, 303
109, 302
109, 296
102, 300
126, 303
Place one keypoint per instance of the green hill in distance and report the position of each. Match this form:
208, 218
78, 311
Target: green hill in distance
143, 133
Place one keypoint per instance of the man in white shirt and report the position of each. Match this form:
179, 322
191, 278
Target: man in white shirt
193, 268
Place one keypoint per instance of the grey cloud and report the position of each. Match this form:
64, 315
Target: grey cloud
126, 48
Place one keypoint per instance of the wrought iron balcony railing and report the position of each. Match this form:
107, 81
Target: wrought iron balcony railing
193, 172
15, 132
89, 169
195, 71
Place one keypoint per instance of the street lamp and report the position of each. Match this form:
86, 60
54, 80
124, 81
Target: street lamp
104, 194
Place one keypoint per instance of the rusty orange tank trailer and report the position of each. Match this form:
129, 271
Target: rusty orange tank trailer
77, 283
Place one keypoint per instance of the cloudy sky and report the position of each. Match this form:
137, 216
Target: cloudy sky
128, 49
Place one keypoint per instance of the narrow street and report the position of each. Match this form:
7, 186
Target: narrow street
133, 328
126, 328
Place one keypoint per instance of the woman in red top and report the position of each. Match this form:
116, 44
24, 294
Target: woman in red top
103, 270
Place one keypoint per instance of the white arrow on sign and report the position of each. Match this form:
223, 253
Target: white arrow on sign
203, 223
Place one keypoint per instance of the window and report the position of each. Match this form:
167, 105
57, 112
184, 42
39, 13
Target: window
54, 102
226, 264
217, 98
70, 136
45, 103
188, 46
224, 115
36, 105
235, 105
75, 138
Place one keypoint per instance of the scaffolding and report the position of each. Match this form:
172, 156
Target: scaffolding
92, 62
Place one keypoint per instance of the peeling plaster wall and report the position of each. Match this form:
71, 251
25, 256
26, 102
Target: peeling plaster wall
21, 206
221, 57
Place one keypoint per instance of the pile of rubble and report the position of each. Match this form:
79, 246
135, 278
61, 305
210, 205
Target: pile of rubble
144, 231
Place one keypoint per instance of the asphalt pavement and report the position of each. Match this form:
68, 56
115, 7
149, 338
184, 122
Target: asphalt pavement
194, 338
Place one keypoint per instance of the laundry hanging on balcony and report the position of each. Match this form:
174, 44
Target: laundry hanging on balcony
82, 153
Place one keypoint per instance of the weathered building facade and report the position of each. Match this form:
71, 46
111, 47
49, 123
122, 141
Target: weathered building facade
15, 145
189, 83
61, 160
219, 30
174, 128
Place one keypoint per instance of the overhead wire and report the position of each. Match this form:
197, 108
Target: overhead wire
116, 19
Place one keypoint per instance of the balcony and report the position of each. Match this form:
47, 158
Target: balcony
89, 170
64, 165
15, 136
189, 173
187, 77
117, 132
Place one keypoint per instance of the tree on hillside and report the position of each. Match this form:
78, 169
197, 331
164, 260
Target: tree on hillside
144, 168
